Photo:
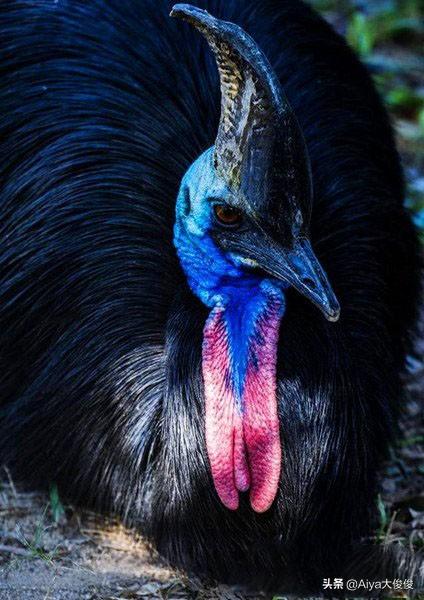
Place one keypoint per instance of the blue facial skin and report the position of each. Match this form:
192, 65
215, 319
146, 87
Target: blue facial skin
219, 279
209, 271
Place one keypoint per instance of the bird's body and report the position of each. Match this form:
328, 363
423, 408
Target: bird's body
104, 106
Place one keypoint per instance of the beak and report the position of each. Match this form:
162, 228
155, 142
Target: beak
298, 267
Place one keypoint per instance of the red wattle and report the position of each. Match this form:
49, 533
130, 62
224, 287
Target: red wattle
241, 466
260, 424
243, 434
221, 421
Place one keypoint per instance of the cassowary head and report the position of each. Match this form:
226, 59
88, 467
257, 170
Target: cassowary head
241, 233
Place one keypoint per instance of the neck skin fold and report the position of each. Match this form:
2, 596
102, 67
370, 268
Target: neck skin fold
239, 358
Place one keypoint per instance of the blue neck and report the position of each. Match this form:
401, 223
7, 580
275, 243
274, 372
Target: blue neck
209, 274
245, 309
220, 284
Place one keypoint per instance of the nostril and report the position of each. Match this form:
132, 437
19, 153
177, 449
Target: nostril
309, 282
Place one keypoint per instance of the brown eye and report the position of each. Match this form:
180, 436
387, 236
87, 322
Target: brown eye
226, 215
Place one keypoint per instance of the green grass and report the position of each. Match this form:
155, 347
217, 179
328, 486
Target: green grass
388, 35
56, 507
385, 518
35, 545
365, 32
411, 441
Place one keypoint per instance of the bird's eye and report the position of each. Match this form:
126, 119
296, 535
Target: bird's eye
226, 215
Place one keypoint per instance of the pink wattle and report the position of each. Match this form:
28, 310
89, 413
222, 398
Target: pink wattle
243, 434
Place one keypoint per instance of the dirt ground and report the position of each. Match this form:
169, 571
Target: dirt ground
82, 557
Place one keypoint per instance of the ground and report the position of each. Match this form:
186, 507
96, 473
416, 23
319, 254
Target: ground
74, 555
48, 552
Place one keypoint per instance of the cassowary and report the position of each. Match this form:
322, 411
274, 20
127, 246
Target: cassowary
172, 273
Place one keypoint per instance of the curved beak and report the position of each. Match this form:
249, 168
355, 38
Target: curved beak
298, 267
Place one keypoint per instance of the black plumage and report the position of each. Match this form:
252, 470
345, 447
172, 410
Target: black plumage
104, 105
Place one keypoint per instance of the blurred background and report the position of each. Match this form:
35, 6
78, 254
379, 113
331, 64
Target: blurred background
388, 35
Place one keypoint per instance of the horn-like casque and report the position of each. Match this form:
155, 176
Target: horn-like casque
259, 149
